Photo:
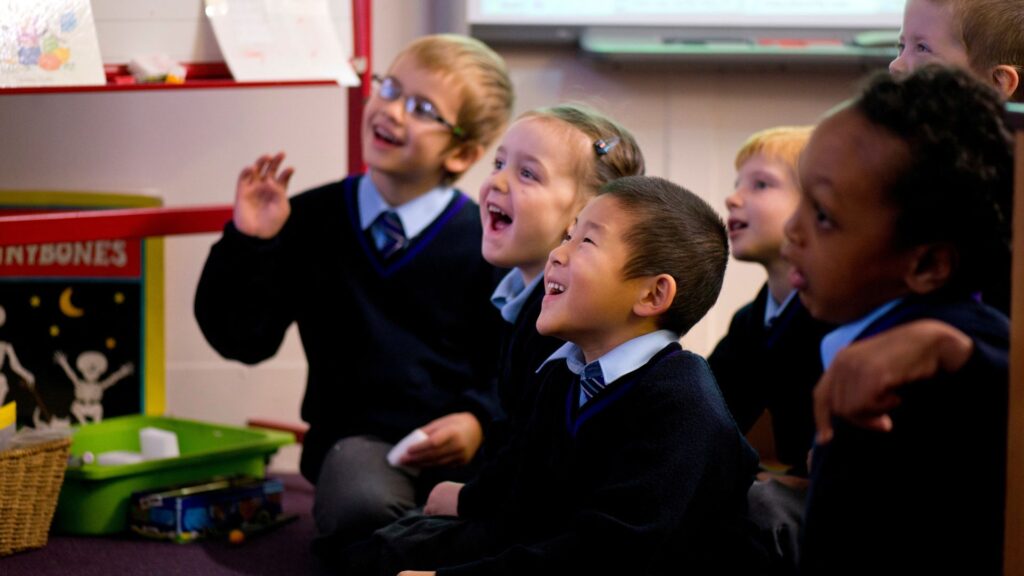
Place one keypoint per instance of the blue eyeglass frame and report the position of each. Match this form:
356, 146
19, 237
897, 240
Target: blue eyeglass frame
390, 89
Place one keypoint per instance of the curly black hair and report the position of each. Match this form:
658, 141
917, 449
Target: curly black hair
958, 187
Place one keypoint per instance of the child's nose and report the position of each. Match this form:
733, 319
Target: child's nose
733, 200
499, 180
791, 229
898, 66
395, 109
557, 256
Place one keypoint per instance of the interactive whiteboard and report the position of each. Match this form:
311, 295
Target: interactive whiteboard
792, 14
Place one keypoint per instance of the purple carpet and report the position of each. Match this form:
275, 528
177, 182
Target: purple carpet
283, 550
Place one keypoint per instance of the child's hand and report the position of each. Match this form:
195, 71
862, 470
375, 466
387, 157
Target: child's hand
261, 199
443, 500
451, 440
416, 573
861, 384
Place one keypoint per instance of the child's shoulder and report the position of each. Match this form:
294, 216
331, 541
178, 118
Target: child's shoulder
967, 314
680, 377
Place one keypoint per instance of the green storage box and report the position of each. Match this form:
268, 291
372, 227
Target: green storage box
95, 499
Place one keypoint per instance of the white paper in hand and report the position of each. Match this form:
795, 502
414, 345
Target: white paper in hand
396, 453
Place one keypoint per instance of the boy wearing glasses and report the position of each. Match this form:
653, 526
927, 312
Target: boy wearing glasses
383, 274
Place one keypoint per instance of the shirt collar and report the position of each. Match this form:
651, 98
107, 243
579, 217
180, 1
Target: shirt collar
841, 337
773, 309
618, 361
415, 214
511, 294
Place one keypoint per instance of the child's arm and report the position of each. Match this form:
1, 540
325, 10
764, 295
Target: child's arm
244, 299
261, 198
862, 383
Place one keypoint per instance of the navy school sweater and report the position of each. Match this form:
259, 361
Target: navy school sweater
773, 368
649, 477
928, 497
390, 345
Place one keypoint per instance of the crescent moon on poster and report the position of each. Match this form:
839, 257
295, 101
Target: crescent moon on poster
69, 309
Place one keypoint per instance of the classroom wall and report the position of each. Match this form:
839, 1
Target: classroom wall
188, 147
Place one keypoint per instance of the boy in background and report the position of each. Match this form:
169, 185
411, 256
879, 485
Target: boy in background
383, 275
630, 462
904, 215
983, 36
769, 360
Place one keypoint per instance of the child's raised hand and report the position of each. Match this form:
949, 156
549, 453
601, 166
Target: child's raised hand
444, 499
451, 440
261, 198
862, 383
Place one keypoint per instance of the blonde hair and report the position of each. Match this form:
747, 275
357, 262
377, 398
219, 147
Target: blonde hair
782, 144
486, 89
613, 151
992, 32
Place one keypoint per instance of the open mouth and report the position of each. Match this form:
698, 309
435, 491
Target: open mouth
499, 219
385, 136
736, 225
554, 288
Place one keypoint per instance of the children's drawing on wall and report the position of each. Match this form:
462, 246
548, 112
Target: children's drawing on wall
88, 402
9, 360
49, 43
79, 342
85, 316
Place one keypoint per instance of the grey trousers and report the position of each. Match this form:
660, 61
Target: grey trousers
777, 512
358, 491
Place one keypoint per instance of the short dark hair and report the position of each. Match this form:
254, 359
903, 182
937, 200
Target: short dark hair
958, 186
677, 233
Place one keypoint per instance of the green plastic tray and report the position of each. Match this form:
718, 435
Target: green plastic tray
94, 499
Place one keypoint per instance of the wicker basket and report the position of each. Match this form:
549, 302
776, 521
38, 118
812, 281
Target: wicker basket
30, 480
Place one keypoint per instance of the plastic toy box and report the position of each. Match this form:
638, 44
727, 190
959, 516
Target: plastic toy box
187, 513
95, 499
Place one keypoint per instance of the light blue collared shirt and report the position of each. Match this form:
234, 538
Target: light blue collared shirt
415, 214
773, 309
841, 337
618, 361
511, 294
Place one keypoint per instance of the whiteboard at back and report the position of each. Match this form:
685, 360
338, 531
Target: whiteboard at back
791, 14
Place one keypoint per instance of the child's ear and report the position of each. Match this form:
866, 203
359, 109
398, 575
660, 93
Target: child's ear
932, 267
462, 157
656, 296
1006, 78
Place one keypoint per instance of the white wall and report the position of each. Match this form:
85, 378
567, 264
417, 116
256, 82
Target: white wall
188, 146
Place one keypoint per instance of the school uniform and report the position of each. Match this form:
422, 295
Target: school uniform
646, 476
929, 496
392, 342
769, 360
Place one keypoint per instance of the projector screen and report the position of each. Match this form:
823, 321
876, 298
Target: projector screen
790, 14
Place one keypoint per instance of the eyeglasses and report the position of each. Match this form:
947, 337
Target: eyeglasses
390, 89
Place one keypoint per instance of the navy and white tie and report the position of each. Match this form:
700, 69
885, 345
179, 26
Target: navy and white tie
591, 382
388, 233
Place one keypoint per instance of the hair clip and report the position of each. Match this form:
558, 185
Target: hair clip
603, 147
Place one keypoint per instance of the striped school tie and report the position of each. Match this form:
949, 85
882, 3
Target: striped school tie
388, 233
591, 381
